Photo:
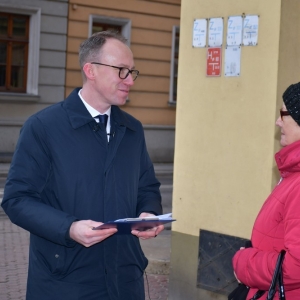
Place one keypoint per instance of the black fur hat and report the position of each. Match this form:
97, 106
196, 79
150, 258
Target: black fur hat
291, 99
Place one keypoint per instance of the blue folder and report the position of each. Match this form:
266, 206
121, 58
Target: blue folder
125, 226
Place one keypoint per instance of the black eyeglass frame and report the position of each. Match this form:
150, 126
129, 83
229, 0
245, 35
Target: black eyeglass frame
283, 113
134, 73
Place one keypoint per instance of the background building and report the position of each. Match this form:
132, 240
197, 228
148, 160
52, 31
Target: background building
39, 43
33, 39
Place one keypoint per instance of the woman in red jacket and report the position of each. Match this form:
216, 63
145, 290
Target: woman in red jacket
277, 225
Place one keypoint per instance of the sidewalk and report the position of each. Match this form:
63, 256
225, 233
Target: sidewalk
158, 253
13, 260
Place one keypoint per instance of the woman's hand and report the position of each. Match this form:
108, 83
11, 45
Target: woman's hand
242, 248
236, 277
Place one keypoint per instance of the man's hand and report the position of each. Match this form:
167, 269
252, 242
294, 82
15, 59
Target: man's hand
150, 233
82, 232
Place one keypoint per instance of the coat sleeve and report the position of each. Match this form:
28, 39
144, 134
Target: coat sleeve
255, 267
22, 201
149, 197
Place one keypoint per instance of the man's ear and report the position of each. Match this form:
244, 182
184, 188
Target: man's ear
89, 71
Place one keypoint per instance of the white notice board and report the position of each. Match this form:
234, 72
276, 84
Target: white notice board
234, 30
215, 32
232, 61
250, 30
200, 33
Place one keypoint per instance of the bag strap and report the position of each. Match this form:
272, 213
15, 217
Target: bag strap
281, 286
258, 294
277, 277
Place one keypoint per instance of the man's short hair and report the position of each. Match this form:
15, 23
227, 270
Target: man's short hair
90, 48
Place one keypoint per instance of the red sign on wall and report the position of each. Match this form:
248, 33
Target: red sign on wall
213, 62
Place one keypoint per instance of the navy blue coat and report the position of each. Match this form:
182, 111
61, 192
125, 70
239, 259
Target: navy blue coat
63, 170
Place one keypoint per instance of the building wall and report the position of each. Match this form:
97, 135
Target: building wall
16, 108
225, 132
151, 41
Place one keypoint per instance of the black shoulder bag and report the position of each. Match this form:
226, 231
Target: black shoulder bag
241, 292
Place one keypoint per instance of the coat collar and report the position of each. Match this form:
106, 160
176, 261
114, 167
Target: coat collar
288, 159
79, 115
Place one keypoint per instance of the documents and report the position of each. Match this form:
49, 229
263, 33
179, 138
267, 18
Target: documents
142, 224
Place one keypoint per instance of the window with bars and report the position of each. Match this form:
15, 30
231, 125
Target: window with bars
14, 41
97, 26
174, 66
102, 23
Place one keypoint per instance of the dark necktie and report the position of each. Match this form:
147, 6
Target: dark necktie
102, 119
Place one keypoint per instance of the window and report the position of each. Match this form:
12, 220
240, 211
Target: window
14, 40
28, 91
174, 66
100, 23
103, 27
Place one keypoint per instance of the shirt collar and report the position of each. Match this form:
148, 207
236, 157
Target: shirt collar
91, 109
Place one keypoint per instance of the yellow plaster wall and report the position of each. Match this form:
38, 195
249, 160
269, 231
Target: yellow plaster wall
225, 126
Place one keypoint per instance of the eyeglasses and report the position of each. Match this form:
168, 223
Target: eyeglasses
123, 72
283, 113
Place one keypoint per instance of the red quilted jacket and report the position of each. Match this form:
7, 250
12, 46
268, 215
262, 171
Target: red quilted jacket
277, 227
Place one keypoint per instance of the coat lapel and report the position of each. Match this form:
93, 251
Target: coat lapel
79, 116
119, 125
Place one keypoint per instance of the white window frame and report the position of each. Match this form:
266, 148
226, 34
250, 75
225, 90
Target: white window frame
34, 43
172, 69
125, 23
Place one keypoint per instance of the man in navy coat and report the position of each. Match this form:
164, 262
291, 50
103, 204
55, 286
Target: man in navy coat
71, 172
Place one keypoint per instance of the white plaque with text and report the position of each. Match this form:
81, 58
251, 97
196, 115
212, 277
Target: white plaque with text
234, 30
199, 33
215, 32
232, 61
250, 30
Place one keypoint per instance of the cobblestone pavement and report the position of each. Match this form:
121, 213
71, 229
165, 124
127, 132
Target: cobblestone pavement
14, 243
158, 287
13, 259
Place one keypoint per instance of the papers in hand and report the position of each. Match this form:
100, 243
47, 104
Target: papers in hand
160, 217
142, 224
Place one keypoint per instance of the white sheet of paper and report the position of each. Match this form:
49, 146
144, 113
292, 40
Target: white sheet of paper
159, 217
